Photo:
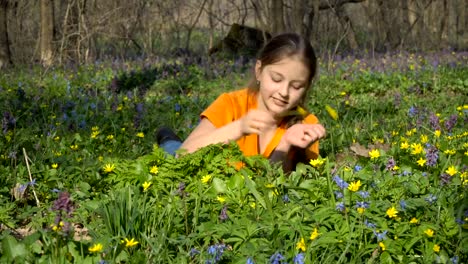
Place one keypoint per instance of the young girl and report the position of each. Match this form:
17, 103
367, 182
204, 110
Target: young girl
268, 117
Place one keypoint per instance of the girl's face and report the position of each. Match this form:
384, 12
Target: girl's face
282, 85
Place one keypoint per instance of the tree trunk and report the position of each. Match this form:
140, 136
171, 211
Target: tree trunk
277, 16
348, 27
5, 54
47, 32
211, 25
392, 35
443, 38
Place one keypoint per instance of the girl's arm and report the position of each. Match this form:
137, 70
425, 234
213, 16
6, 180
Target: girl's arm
206, 133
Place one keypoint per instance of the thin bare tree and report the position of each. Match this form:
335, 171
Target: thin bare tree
47, 32
5, 54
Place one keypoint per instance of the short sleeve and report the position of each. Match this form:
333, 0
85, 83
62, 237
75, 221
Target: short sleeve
220, 112
312, 152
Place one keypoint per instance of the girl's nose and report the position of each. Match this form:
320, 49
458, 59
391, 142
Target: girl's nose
284, 90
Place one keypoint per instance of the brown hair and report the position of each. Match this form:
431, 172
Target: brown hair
287, 45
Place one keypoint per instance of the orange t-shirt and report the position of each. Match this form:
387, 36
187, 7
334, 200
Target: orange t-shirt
229, 107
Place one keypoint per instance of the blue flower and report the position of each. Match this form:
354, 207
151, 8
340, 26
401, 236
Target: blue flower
357, 168
276, 258
403, 204
380, 236
338, 194
363, 194
286, 198
362, 204
32, 183
299, 258
406, 173
177, 107
341, 207
250, 261
216, 251
340, 182
454, 260
431, 198
194, 252
412, 111
369, 224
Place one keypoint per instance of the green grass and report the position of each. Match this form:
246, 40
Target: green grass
72, 124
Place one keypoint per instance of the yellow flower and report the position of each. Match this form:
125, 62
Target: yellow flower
451, 171
119, 107
424, 139
361, 210
421, 162
437, 133
130, 243
404, 145
108, 168
95, 248
110, 137
301, 245
392, 212
450, 152
74, 147
332, 112
374, 154
417, 148
354, 186
316, 162
154, 169
206, 178
95, 128
94, 134
57, 138
302, 111
414, 220
221, 199
314, 234
140, 135
395, 168
146, 185
382, 246
436, 248
54, 165
429, 232
253, 205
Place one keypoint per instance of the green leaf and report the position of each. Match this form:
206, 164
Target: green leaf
386, 258
253, 190
12, 249
411, 243
236, 182
219, 185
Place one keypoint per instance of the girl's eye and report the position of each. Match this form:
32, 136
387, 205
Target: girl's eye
275, 79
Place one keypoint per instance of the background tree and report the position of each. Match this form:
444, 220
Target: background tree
47, 32
86, 30
5, 55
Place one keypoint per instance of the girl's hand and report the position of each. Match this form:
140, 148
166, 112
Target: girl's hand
255, 121
302, 135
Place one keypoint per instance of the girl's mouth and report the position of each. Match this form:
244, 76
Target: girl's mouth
279, 102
